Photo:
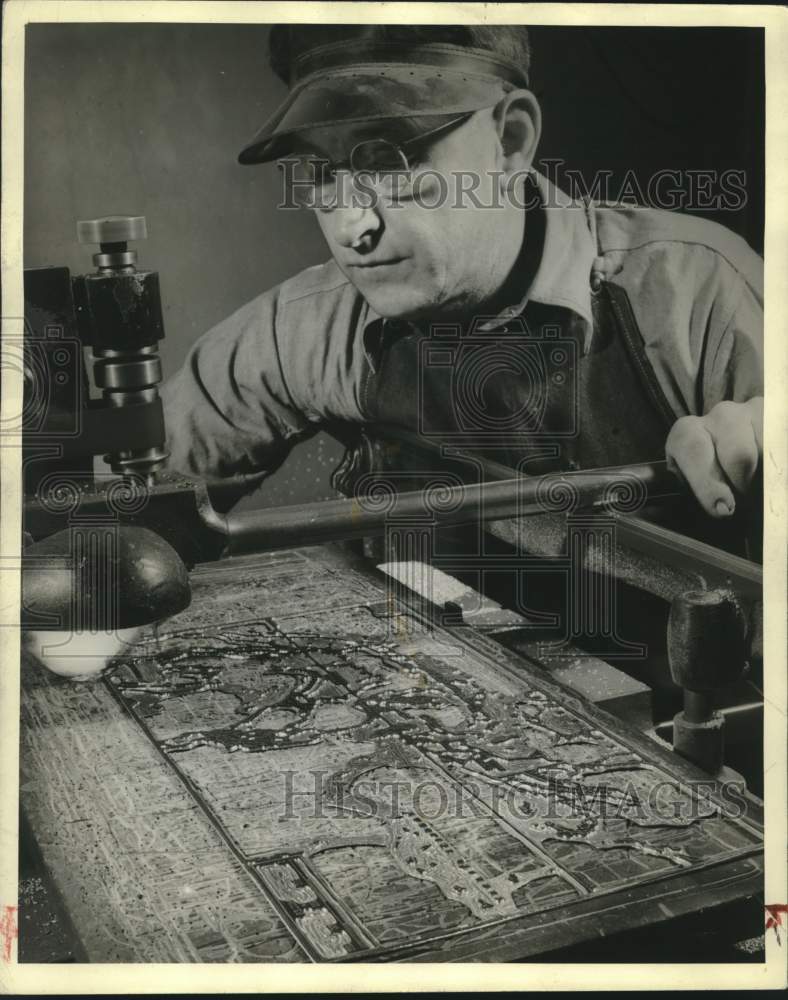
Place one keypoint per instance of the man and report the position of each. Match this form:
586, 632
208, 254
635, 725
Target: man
415, 147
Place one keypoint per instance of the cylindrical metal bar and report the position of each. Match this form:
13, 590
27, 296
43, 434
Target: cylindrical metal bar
348, 518
697, 706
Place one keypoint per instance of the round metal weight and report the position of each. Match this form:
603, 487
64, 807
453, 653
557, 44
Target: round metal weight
128, 258
112, 229
128, 374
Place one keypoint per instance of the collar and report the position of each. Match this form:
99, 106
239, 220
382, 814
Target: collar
564, 274
563, 277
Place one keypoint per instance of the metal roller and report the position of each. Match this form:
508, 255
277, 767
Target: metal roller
348, 518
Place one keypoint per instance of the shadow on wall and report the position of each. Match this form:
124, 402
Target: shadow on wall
148, 119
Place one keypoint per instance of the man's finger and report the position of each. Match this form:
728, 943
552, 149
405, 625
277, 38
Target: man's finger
734, 439
690, 449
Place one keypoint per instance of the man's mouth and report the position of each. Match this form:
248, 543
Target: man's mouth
373, 264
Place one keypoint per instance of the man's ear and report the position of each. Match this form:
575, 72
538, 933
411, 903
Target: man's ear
518, 120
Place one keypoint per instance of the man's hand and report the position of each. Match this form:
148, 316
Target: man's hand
718, 454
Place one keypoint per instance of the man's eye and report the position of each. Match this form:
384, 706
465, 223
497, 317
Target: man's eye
425, 187
323, 174
417, 158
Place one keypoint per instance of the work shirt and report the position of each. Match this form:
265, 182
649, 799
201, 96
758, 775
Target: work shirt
298, 356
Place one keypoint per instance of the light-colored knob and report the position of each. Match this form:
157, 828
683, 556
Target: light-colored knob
112, 229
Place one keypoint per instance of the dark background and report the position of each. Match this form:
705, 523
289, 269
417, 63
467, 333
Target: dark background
148, 120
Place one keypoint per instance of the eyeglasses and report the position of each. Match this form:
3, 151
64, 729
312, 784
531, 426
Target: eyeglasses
313, 182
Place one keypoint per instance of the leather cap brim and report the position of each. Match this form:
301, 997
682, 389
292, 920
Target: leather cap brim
372, 92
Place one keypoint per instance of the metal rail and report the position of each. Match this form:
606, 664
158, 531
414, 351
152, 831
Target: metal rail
719, 568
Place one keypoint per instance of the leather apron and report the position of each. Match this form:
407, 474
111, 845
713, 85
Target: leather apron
526, 393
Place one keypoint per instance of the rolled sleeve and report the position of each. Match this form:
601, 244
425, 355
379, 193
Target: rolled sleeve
736, 371
697, 293
228, 411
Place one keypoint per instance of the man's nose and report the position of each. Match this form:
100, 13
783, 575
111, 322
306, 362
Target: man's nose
357, 224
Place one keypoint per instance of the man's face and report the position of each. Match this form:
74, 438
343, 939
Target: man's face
433, 248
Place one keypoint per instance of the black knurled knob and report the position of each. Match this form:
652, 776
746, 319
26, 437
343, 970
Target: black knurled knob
706, 640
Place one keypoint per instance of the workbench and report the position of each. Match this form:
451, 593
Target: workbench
302, 767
